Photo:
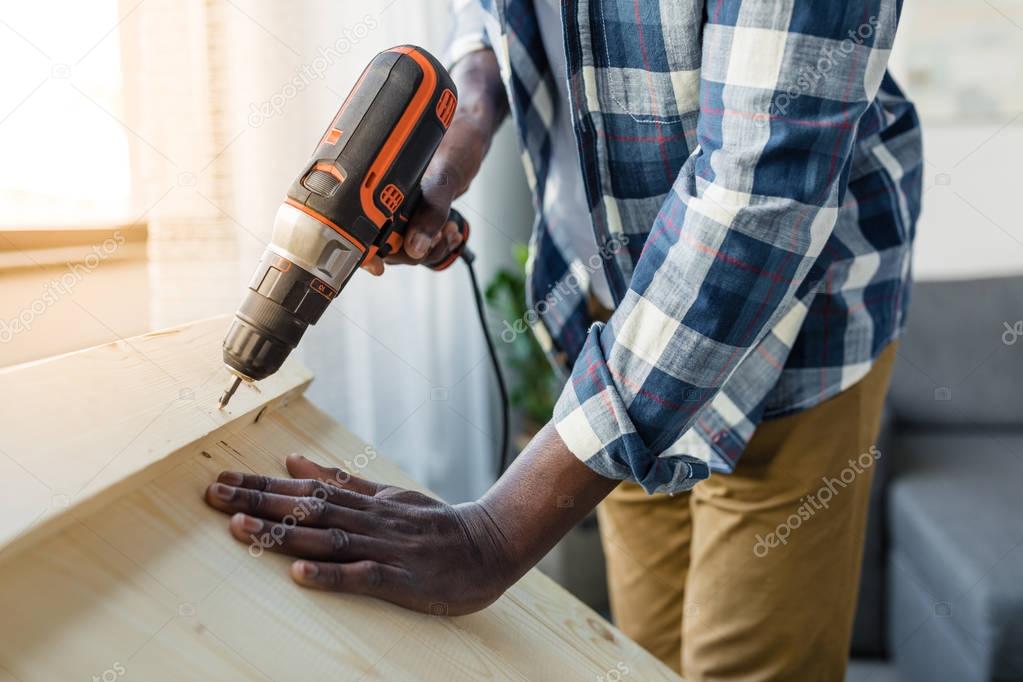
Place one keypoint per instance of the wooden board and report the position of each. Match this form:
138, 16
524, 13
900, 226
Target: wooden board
136, 578
74, 426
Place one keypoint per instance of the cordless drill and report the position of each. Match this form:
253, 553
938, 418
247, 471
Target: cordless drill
352, 201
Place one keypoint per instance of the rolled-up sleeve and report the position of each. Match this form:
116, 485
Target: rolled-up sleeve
739, 241
468, 33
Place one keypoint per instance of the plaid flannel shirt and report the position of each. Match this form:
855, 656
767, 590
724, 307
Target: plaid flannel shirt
753, 176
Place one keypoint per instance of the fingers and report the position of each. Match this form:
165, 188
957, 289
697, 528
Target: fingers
447, 241
452, 236
311, 510
319, 544
330, 490
419, 252
441, 245
373, 265
450, 239
425, 225
361, 577
300, 467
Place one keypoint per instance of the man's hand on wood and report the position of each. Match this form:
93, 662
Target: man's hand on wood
353, 535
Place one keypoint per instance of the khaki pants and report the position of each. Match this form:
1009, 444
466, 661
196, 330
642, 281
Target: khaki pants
754, 575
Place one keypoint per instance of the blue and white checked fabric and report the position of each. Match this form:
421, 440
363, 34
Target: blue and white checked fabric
753, 176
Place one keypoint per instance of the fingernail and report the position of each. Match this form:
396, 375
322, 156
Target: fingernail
231, 478
419, 245
224, 492
373, 266
249, 524
308, 569
454, 239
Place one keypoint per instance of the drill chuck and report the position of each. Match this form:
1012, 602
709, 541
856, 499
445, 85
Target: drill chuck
282, 301
255, 351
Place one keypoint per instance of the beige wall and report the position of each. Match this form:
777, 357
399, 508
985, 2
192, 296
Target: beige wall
65, 290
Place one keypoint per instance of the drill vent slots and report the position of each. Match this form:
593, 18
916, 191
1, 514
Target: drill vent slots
446, 107
391, 197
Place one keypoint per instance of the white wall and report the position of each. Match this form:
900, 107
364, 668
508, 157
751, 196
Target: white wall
971, 224
962, 64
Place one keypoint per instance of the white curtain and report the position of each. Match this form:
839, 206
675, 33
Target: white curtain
175, 91
237, 92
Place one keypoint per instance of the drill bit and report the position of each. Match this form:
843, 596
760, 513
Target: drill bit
230, 392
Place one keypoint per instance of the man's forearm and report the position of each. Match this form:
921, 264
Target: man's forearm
544, 493
482, 107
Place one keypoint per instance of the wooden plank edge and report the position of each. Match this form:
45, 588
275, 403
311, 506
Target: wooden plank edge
49, 524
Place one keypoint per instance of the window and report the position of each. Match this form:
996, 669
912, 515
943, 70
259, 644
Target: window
64, 153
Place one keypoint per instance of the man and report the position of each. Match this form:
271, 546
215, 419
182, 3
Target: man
734, 185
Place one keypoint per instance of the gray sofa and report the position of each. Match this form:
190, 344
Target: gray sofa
942, 587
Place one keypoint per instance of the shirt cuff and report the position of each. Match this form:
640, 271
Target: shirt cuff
469, 33
461, 46
594, 423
